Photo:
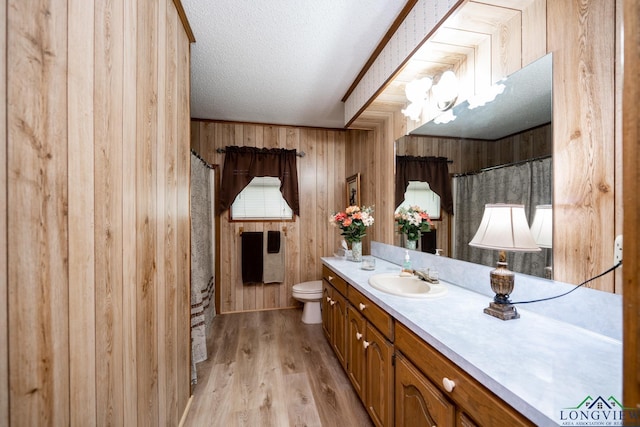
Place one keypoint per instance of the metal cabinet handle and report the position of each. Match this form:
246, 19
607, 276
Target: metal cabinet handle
330, 278
332, 302
358, 336
362, 306
365, 344
448, 384
328, 299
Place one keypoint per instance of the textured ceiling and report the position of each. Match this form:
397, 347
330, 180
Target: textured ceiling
281, 61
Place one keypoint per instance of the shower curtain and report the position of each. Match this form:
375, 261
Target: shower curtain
528, 183
202, 260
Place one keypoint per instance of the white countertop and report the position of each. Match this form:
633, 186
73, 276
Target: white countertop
538, 365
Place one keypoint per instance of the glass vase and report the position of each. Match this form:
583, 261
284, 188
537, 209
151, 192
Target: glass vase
411, 244
356, 251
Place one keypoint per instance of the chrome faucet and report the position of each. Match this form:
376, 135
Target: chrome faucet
424, 275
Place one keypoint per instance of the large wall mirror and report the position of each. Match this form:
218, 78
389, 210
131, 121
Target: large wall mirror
499, 146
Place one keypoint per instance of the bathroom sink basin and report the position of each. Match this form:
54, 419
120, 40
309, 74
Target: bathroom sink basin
406, 286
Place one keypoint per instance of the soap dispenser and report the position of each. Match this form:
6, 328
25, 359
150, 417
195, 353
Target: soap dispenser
406, 267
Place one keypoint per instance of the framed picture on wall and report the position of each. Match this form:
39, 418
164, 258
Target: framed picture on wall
353, 190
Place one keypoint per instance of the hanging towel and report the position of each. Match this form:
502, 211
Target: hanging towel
252, 258
273, 261
273, 242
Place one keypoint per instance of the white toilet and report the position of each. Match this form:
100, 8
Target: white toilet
310, 294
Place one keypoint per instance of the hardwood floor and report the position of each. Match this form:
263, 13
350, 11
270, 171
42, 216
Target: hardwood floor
267, 368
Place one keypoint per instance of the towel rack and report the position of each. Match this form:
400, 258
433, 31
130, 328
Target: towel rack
298, 153
284, 230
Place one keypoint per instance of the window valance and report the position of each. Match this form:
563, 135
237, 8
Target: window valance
242, 164
433, 170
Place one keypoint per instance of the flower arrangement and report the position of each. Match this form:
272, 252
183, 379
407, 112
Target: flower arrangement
353, 222
413, 221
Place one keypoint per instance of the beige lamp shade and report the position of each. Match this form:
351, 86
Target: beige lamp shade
504, 227
541, 228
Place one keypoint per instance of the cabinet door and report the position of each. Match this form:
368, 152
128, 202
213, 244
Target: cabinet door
418, 401
326, 305
379, 377
339, 331
355, 350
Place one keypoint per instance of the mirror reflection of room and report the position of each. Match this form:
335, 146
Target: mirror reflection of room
515, 167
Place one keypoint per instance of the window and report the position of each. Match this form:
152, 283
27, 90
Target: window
420, 194
261, 200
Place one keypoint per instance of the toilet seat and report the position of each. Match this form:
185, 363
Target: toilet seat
306, 288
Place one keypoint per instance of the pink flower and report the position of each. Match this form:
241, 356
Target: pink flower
352, 209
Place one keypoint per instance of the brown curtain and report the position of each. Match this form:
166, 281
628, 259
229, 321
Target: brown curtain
434, 170
242, 164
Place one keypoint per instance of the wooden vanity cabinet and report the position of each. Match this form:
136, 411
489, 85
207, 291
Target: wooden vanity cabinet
334, 313
397, 375
379, 374
356, 331
474, 404
370, 356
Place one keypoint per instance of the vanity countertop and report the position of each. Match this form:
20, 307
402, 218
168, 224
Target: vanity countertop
540, 366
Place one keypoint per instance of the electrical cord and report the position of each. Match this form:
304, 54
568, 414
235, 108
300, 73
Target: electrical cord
568, 292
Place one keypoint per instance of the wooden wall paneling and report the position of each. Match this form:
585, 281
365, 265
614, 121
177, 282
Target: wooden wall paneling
4, 309
195, 136
507, 48
292, 236
271, 292
82, 291
381, 169
249, 292
162, 251
534, 35
268, 294
631, 183
129, 209
160, 221
336, 191
38, 282
146, 180
619, 152
183, 226
321, 213
308, 181
108, 135
373, 171
81, 338
582, 40
169, 281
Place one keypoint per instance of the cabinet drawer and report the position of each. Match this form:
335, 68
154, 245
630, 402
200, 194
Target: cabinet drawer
374, 314
337, 281
418, 402
484, 407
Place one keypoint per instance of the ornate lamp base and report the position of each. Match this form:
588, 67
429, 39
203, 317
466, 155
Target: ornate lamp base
502, 282
502, 311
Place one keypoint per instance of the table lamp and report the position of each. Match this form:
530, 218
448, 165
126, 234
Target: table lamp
542, 231
503, 227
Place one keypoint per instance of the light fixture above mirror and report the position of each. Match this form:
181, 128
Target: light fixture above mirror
515, 103
443, 88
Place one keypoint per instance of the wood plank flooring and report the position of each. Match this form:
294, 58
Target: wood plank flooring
267, 368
